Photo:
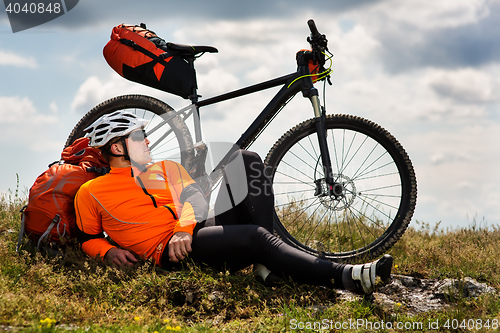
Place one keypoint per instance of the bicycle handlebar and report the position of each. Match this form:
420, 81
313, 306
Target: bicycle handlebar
314, 31
318, 41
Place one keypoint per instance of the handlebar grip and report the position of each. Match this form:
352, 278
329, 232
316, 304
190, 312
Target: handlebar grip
312, 27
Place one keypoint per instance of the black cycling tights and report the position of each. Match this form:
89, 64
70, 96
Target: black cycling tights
241, 234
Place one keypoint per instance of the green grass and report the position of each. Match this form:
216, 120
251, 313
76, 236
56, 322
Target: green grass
42, 294
311, 227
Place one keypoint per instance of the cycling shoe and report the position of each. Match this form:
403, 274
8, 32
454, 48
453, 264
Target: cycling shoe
361, 278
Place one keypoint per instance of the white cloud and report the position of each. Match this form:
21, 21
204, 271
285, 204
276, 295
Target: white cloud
16, 109
217, 81
247, 47
53, 107
413, 98
441, 114
12, 59
432, 15
90, 92
456, 168
446, 34
466, 85
21, 123
95, 90
248, 54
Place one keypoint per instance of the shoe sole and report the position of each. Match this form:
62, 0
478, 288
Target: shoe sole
384, 267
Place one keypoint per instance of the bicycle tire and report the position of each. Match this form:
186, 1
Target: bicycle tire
378, 194
155, 111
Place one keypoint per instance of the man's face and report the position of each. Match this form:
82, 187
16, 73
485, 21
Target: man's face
138, 149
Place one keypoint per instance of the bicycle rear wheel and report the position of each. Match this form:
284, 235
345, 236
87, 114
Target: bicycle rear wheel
374, 203
170, 138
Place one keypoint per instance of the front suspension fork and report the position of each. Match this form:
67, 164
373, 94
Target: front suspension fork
334, 188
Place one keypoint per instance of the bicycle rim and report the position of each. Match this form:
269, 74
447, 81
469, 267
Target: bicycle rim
373, 205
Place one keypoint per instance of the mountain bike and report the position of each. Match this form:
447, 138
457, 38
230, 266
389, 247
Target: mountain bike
344, 187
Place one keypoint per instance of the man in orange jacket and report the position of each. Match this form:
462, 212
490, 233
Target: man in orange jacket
158, 212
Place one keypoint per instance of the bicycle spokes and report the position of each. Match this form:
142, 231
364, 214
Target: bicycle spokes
365, 197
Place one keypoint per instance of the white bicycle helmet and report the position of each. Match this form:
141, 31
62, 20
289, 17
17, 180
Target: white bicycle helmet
113, 125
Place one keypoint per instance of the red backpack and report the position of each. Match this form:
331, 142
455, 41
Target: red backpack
139, 55
50, 213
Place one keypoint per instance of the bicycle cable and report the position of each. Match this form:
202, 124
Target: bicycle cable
324, 82
321, 75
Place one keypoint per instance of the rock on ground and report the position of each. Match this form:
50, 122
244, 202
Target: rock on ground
413, 295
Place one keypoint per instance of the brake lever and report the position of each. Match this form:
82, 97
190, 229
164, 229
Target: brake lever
319, 41
319, 45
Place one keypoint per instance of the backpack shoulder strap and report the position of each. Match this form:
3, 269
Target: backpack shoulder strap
54, 221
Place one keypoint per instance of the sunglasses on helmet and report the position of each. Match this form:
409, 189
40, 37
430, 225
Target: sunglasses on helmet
138, 135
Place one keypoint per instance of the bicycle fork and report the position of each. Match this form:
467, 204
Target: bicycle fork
333, 188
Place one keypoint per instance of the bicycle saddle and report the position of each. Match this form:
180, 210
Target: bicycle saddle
191, 49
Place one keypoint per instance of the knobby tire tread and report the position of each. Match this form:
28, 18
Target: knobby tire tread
140, 102
396, 229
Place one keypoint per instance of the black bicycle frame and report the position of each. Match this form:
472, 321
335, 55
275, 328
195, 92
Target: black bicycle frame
291, 85
272, 108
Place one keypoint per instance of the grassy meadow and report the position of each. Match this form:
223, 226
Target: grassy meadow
73, 293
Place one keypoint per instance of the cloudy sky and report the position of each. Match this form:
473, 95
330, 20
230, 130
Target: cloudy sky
427, 72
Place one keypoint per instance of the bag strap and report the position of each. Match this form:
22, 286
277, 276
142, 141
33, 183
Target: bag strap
21, 229
54, 221
145, 51
64, 229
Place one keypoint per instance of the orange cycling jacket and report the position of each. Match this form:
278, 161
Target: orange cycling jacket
139, 213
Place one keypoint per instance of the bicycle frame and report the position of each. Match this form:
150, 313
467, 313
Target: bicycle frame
263, 119
272, 108
357, 212
291, 85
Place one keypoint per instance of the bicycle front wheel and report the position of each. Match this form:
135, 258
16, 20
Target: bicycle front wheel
375, 193
169, 136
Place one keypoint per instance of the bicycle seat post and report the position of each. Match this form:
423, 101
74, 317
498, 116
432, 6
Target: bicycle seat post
194, 100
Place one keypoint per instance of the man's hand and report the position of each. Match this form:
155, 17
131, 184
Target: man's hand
120, 257
179, 246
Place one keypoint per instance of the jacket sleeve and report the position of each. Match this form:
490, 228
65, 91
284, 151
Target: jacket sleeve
189, 196
88, 220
